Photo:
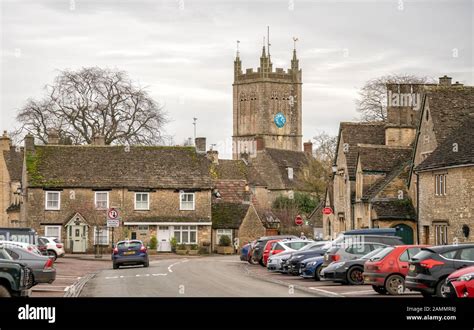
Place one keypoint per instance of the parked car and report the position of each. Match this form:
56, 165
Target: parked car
386, 271
131, 252
268, 249
26, 246
42, 266
429, 269
350, 251
315, 249
51, 246
282, 251
257, 251
349, 271
16, 279
244, 252
310, 268
462, 282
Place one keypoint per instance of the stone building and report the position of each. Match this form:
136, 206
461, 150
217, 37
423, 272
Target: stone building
11, 160
442, 182
267, 104
158, 191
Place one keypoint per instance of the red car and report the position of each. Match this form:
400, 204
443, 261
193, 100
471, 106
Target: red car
386, 270
463, 282
267, 251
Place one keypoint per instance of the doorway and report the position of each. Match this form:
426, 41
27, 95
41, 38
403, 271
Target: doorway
164, 237
77, 236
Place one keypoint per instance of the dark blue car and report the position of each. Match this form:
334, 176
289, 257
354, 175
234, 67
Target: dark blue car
311, 267
244, 252
131, 252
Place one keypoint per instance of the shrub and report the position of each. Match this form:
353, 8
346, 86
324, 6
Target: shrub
174, 243
153, 243
193, 247
224, 241
182, 247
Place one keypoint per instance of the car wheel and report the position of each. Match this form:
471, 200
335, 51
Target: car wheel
379, 289
4, 293
146, 263
261, 262
53, 254
253, 261
317, 273
395, 285
443, 289
115, 266
354, 276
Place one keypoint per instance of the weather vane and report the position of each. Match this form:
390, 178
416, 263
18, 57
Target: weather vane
294, 42
238, 53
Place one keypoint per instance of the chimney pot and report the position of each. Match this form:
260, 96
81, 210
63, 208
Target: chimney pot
29, 142
5, 142
200, 143
53, 137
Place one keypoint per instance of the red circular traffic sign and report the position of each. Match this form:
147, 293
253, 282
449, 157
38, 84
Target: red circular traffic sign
113, 214
298, 220
327, 210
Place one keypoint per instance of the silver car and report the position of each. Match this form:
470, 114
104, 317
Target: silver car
351, 251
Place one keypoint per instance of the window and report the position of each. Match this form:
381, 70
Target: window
441, 234
449, 254
185, 234
223, 232
186, 201
53, 231
404, 256
466, 254
101, 236
143, 228
53, 200
101, 200
440, 184
13, 254
142, 201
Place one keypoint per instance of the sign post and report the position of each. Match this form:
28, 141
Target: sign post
113, 221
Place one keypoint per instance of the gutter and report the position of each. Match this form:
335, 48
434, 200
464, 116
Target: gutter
417, 220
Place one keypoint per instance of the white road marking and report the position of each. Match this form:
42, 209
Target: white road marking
359, 292
326, 292
67, 288
176, 263
109, 277
159, 274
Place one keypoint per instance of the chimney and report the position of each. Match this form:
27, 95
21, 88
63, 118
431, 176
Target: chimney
308, 148
98, 140
29, 143
200, 143
260, 143
213, 156
458, 84
5, 142
53, 137
445, 81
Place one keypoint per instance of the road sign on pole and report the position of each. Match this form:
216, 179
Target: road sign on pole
112, 214
113, 223
298, 220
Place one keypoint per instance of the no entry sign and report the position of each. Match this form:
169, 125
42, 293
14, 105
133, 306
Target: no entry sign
327, 210
298, 220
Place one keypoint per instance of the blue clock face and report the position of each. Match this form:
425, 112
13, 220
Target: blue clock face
280, 120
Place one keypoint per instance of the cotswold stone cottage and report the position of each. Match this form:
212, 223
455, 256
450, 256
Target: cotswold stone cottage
442, 182
158, 191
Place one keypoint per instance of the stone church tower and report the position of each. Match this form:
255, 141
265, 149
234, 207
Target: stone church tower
266, 107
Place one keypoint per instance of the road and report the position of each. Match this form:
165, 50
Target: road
215, 276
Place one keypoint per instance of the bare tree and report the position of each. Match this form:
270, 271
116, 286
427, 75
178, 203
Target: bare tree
372, 102
325, 148
94, 102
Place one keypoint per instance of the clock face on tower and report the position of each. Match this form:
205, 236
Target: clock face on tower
279, 120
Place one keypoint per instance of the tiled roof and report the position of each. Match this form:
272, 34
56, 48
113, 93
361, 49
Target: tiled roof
359, 133
394, 209
272, 166
229, 169
14, 161
117, 166
401, 171
449, 107
446, 153
228, 215
231, 191
382, 158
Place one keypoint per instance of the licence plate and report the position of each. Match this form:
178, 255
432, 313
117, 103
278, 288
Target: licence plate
412, 268
127, 253
366, 278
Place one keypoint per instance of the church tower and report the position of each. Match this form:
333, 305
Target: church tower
266, 106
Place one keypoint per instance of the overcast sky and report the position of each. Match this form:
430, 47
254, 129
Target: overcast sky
184, 50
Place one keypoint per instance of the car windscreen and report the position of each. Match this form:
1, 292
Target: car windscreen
129, 245
296, 245
372, 253
382, 254
4, 255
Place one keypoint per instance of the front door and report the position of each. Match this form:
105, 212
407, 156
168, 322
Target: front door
163, 237
78, 238
405, 232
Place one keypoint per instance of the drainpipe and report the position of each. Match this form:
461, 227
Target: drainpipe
417, 209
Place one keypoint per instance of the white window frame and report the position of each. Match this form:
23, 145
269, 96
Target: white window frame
95, 200
101, 229
440, 184
148, 201
190, 228
46, 232
441, 233
46, 200
181, 208
224, 232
